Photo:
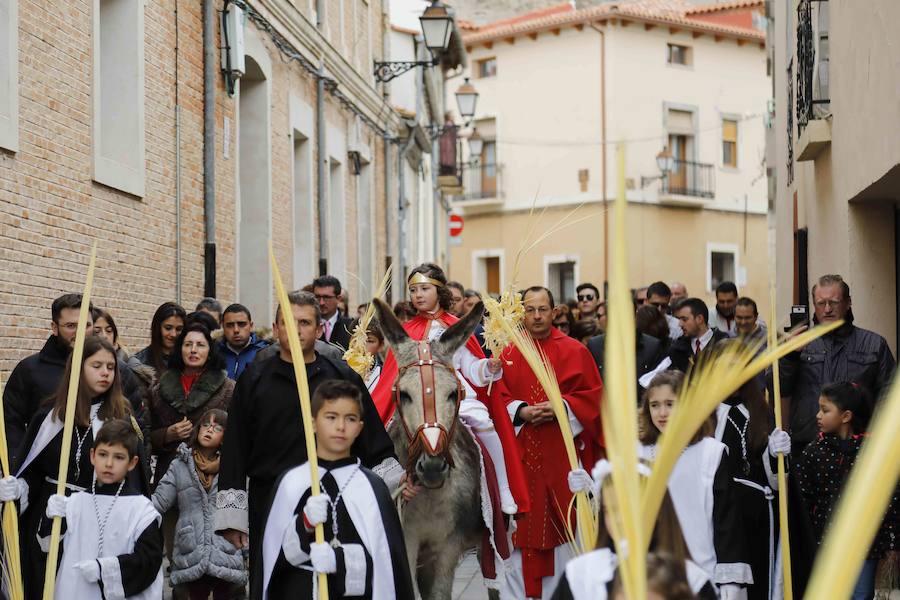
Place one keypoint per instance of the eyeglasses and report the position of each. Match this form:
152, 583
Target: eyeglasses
543, 310
324, 297
585, 297
828, 303
216, 428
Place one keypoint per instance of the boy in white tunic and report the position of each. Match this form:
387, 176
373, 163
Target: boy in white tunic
112, 545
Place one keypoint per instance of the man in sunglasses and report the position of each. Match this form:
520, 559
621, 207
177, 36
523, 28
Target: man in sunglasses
660, 296
588, 300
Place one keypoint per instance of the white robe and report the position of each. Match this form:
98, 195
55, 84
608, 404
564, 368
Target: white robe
130, 516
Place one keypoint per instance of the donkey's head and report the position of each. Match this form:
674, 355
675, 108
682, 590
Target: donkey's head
427, 392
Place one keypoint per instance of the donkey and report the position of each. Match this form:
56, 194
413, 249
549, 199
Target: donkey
444, 520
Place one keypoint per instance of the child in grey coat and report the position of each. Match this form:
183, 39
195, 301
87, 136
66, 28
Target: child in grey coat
203, 563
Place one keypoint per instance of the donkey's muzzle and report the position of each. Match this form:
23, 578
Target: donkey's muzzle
432, 471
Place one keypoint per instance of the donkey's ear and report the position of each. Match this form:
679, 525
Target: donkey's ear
390, 325
457, 334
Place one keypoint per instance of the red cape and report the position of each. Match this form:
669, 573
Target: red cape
384, 402
542, 447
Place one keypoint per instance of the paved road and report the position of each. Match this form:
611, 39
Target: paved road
468, 584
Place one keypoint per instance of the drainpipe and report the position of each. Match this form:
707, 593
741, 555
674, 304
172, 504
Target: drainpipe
209, 150
177, 170
603, 164
321, 149
400, 271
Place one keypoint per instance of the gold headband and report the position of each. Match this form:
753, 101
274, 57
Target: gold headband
420, 278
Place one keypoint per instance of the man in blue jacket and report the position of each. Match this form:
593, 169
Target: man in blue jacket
240, 344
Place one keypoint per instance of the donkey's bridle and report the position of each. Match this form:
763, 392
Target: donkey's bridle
430, 437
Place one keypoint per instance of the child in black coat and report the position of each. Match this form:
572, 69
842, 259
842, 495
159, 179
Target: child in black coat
844, 412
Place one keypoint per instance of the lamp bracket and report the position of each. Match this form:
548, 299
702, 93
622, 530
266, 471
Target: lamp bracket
385, 71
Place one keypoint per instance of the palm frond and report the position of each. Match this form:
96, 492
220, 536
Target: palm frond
359, 359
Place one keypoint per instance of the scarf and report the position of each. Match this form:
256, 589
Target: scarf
207, 469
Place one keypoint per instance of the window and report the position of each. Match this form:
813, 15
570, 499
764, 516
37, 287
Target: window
118, 123
487, 67
304, 210
679, 55
729, 142
492, 274
335, 220
254, 190
722, 267
366, 225
9, 75
561, 280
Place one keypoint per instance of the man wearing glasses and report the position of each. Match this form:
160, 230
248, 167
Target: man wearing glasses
850, 354
338, 327
660, 296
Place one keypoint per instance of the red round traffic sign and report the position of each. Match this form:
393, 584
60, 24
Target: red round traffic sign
456, 225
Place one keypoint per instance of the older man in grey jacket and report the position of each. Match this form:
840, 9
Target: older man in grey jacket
850, 354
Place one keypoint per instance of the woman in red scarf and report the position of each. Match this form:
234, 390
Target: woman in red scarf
431, 298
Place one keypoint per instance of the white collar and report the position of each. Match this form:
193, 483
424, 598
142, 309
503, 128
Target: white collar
703, 339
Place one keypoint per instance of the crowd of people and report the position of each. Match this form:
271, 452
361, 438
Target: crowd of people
192, 448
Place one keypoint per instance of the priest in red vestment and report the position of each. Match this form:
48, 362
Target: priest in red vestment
541, 546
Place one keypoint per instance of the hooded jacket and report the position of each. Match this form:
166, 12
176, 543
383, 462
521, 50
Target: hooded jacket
198, 550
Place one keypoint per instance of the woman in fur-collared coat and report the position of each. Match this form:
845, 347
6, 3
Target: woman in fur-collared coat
195, 382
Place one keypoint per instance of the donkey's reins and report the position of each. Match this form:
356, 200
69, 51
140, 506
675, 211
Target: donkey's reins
430, 437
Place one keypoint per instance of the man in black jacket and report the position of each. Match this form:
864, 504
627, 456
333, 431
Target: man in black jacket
848, 354
693, 315
37, 377
647, 355
336, 327
264, 437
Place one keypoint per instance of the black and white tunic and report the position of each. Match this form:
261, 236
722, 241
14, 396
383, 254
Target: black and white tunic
131, 558
702, 492
40, 468
371, 557
754, 474
590, 577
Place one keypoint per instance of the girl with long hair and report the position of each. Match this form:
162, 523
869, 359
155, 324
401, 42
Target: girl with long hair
165, 327
593, 575
99, 400
432, 300
702, 490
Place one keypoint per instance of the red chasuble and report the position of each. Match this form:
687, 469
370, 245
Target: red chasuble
542, 447
384, 402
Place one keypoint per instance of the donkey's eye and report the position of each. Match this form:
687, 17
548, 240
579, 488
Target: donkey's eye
404, 398
452, 396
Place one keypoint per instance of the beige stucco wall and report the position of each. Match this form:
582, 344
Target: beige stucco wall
663, 243
849, 216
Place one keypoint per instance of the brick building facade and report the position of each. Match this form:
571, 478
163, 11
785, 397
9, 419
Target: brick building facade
137, 185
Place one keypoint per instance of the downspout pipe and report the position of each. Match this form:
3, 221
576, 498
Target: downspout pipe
603, 196
321, 150
209, 148
402, 201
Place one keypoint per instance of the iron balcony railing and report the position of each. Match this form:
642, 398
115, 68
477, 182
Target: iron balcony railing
808, 97
690, 178
481, 181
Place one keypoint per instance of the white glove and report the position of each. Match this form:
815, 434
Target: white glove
89, 569
580, 481
316, 509
779, 441
11, 489
323, 558
56, 506
732, 591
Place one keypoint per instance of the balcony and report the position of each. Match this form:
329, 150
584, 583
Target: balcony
689, 183
482, 185
813, 102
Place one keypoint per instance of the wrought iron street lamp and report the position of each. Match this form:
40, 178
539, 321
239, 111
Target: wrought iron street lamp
437, 28
665, 162
466, 99
476, 145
